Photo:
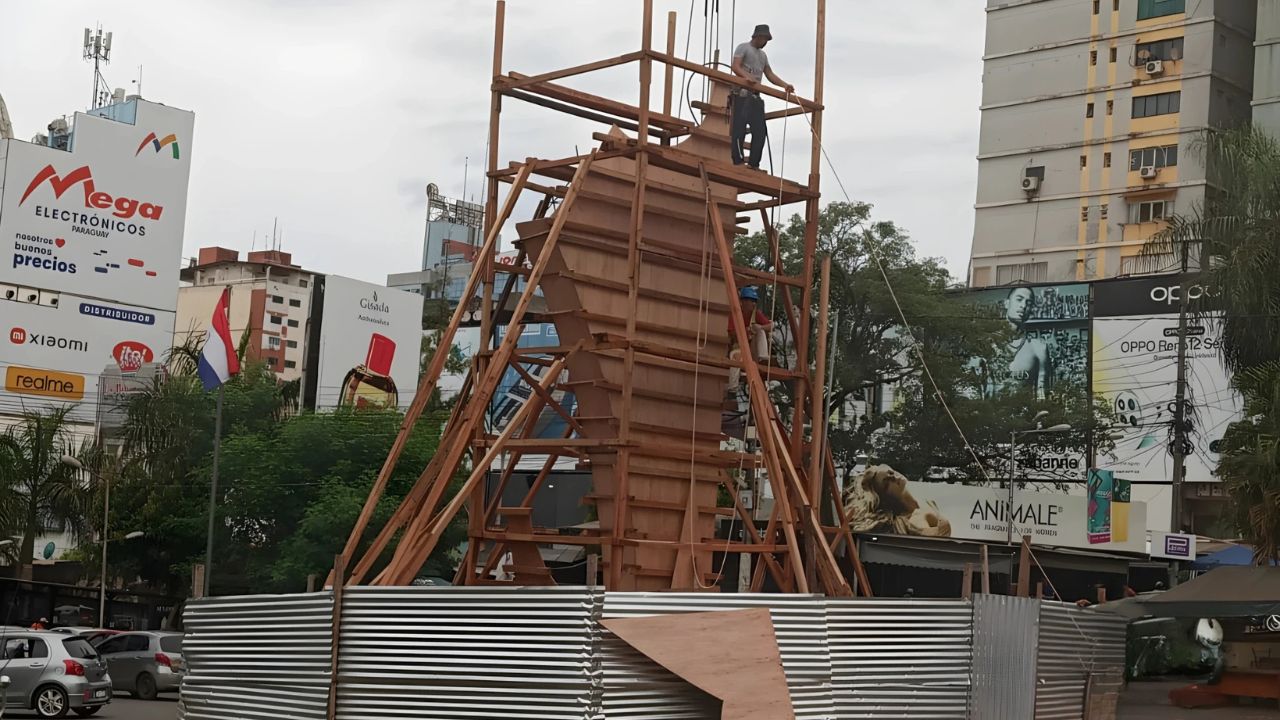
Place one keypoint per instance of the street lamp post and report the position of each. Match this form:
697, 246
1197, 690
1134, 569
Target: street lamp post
72, 462
1013, 463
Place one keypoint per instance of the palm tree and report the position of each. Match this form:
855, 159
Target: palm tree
41, 494
1236, 237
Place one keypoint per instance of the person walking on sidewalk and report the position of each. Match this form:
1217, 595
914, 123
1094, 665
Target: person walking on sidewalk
751, 62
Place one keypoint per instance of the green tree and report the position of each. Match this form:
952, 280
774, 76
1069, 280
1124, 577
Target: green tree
1233, 241
39, 493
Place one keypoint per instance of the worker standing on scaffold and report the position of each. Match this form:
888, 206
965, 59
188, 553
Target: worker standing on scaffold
750, 62
758, 328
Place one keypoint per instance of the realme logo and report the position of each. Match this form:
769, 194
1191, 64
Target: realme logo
28, 381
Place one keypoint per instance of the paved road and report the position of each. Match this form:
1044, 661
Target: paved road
125, 708
1149, 700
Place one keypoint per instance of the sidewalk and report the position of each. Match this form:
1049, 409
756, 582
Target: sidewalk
1149, 700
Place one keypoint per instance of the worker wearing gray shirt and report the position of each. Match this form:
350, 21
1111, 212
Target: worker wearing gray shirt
751, 63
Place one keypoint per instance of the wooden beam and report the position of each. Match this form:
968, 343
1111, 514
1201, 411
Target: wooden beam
818, 415
986, 570
527, 80
727, 79
550, 402
578, 98
585, 114
966, 586
1024, 567
335, 632
427, 385
668, 88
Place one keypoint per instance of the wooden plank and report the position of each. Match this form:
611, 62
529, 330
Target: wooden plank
727, 79
966, 584
669, 79
1024, 567
528, 80
568, 109
740, 176
986, 570
335, 632
668, 123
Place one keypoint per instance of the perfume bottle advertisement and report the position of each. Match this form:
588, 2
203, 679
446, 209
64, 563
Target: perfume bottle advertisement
370, 341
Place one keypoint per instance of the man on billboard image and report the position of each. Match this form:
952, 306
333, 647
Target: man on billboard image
1024, 360
878, 501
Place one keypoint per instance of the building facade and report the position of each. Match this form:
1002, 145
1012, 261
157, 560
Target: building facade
270, 300
1090, 113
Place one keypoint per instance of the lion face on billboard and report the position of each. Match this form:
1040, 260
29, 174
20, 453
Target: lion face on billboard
879, 500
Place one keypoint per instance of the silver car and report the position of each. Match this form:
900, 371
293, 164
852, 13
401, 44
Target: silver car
52, 673
144, 663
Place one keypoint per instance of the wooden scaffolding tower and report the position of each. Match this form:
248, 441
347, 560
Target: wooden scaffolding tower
628, 248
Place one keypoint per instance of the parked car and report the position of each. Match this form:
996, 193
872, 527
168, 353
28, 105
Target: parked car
97, 635
144, 663
53, 673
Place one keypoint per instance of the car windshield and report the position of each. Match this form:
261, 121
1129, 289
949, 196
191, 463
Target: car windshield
171, 644
79, 648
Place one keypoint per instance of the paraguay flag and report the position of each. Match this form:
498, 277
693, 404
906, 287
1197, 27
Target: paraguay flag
218, 361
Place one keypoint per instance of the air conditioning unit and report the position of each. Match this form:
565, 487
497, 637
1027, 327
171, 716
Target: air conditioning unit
1155, 67
1148, 172
1030, 184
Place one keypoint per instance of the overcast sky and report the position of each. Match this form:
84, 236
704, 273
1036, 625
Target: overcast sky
333, 115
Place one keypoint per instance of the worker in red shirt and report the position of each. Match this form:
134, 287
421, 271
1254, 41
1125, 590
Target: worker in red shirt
758, 329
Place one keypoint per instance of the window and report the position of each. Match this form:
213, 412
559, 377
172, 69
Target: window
290, 364
1115, 5
1113, 55
1150, 211
273, 342
1084, 161
1035, 171
277, 300
1093, 57
114, 645
1088, 110
275, 319
293, 323
1144, 264
1111, 105
79, 648
302, 283
1096, 4
171, 644
1166, 156
1106, 162
1159, 104
1026, 272
295, 302
1166, 50
291, 344
272, 362
137, 643
1102, 211
1084, 214
1148, 9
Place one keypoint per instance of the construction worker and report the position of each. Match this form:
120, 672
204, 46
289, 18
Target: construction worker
751, 63
758, 327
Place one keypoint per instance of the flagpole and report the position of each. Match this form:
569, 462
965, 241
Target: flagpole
213, 498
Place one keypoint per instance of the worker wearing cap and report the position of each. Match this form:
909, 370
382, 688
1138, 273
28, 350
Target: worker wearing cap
757, 330
751, 63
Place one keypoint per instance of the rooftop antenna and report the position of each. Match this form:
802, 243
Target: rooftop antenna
466, 164
275, 224
97, 47
138, 82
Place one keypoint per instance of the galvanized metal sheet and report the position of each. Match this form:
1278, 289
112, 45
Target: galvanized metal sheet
1004, 657
1073, 644
900, 658
261, 657
636, 687
446, 653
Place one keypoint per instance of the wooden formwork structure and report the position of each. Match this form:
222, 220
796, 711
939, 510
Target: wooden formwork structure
629, 248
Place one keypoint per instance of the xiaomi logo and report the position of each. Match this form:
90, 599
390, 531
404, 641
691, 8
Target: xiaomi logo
29, 381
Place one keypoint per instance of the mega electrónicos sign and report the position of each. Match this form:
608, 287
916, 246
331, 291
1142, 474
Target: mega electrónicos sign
105, 219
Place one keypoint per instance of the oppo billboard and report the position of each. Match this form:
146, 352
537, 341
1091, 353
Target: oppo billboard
105, 219
370, 341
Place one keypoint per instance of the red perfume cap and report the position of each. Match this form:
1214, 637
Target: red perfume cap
381, 350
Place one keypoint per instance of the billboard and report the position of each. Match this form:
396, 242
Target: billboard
881, 500
54, 351
104, 220
1047, 349
1135, 349
370, 342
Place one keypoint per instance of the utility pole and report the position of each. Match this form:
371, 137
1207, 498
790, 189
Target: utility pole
1180, 399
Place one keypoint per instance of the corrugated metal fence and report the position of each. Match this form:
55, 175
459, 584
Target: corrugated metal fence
467, 653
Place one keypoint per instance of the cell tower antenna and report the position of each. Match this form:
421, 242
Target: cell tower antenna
97, 47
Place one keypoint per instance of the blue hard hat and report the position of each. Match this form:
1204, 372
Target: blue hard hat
749, 293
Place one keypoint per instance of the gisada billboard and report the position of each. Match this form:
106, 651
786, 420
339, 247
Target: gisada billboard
370, 345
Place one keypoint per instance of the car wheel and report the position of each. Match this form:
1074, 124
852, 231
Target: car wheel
87, 711
144, 687
51, 702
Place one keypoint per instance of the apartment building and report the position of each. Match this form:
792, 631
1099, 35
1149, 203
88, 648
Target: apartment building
270, 299
1090, 112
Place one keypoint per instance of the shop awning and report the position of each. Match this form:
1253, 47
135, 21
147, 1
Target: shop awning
953, 554
1219, 593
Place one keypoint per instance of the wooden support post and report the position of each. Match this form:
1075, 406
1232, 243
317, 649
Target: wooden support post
1024, 567
817, 414
837, 496
427, 385
335, 633
1039, 589
986, 571
1102, 594
593, 570
966, 589
669, 70
491, 224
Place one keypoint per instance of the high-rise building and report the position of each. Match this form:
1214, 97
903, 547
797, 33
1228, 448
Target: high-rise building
1090, 113
1266, 67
